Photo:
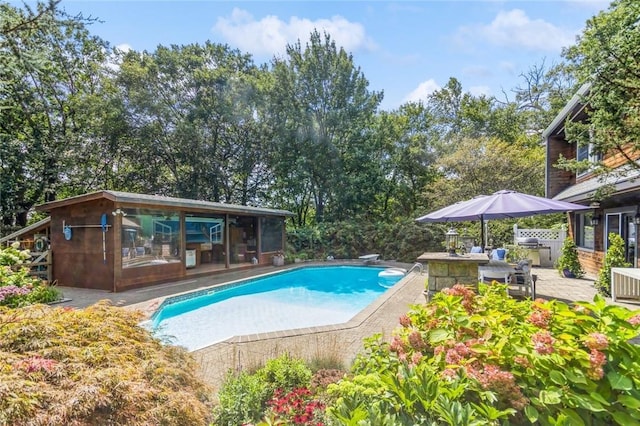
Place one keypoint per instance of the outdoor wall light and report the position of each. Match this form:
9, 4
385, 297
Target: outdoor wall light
118, 211
451, 239
595, 218
636, 218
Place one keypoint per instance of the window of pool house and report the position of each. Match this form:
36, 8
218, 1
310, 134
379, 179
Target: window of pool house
149, 238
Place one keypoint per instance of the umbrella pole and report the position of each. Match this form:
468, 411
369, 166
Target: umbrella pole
482, 233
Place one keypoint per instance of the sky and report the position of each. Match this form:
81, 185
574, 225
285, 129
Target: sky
406, 49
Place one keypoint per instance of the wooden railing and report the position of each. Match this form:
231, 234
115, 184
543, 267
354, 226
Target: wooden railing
625, 283
40, 265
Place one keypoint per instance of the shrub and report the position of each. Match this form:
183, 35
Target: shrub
61, 366
614, 257
244, 397
489, 359
403, 241
568, 259
297, 407
17, 287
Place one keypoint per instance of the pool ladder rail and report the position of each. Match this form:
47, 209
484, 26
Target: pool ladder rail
417, 265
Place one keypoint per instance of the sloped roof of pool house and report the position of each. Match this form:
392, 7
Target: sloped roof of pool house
116, 240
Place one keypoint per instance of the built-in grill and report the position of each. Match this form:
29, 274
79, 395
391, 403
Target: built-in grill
540, 255
528, 242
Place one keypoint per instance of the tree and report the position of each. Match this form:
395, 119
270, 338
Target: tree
606, 57
322, 112
484, 166
194, 111
54, 66
544, 92
408, 136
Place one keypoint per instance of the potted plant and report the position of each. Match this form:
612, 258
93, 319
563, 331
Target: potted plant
568, 263
278, 259
613, 258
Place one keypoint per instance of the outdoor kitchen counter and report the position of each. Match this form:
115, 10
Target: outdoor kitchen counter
444, 270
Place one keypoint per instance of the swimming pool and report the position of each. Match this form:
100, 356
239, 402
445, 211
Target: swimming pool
299, 298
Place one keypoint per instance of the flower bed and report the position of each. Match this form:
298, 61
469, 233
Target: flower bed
17, 287
489, 359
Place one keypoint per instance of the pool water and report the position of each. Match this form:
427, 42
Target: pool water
304, 297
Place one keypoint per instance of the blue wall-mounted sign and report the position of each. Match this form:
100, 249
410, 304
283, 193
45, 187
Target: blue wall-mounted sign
67, 232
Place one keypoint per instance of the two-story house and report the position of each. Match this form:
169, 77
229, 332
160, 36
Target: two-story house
616, 212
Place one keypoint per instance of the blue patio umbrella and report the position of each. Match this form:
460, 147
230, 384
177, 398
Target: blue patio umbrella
500, 205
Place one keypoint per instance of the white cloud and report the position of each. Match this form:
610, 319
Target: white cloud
113, 60
422, 92
270, 35
124, 48
515, 29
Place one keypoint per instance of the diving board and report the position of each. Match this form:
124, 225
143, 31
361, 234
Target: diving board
370, 258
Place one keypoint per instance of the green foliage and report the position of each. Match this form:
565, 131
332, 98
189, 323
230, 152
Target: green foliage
403, 241
486, 165
17, 287
606, 56
321, 111
614, 257
51, 98
490, 359
61, 366
568, 259
244, 397
284, 373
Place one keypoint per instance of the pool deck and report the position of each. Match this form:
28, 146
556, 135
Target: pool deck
341, 342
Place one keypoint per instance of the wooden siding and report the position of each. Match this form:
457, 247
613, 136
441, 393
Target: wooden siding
79, 262
558, 179
591, 261
154, 274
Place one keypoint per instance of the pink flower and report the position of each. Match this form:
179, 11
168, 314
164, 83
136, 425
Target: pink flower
449, 373
405, 321
452, 357
597, 358
502, 383
634, 320
416, 341
540, 318
522, 360
543, 342
416, 358
397, 345
596, 341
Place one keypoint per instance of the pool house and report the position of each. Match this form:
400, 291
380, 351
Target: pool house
114, 240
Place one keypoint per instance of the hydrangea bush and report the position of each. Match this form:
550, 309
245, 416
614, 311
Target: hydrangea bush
17, 287
486, 358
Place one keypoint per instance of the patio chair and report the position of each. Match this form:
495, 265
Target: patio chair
522, 279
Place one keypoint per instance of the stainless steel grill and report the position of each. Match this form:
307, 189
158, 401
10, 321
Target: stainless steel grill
539, 254
528, 242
